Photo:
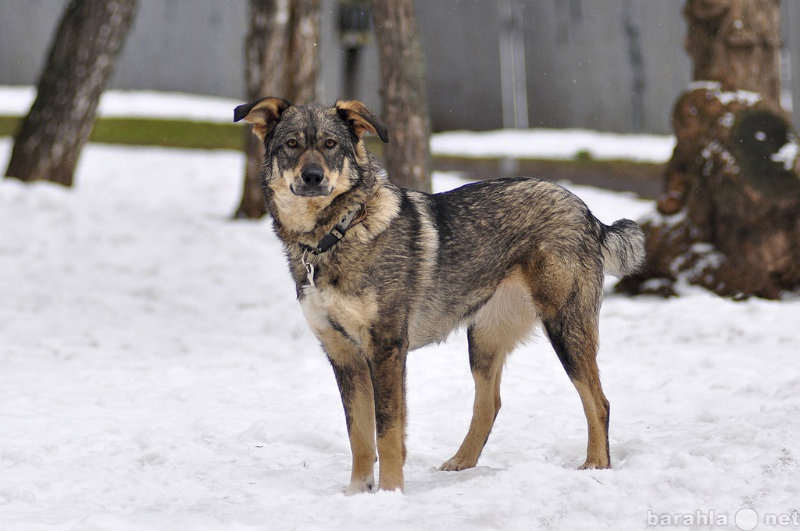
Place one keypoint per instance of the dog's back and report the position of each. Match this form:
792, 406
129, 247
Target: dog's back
490, 230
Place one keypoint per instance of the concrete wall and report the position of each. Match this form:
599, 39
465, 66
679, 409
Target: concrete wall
461, 43
613, 65
616, 66
26, 27
185, 46
179, 45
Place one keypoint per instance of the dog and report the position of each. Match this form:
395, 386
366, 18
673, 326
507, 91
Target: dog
381, 270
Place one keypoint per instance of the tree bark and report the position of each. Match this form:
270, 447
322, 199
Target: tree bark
405, 103
266, 48
79, 65
729, 216
737, 43
303, 52
281, 59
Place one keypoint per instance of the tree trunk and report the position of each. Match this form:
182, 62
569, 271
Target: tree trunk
303, 52
79, 65
265, 52
405, 103
281, 59
737, 43
729, 217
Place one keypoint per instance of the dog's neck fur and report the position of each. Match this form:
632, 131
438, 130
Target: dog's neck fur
325, 218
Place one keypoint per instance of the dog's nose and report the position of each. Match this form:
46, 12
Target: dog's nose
312, 174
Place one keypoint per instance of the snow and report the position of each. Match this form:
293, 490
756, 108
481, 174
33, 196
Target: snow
560, 144
16, 100
157, 374
726, 97
787, 155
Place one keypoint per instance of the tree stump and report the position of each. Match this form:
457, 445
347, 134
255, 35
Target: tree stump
729, 218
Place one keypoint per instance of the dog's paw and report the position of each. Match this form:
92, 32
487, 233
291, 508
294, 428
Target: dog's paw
594, 465
360, 486
456, 463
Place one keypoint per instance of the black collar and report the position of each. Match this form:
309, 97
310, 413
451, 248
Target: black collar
347, 222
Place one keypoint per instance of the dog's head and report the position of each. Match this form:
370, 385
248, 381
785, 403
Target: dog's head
311, 149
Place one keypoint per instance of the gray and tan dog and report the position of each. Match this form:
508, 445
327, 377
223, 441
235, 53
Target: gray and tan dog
381, 270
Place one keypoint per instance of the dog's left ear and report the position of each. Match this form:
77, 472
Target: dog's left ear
263, 114
361, 120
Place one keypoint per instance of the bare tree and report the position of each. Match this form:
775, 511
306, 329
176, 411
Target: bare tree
281, 59
405, 102
79, 65
729, 217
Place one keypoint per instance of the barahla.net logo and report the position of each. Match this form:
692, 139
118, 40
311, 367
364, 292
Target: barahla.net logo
745, 519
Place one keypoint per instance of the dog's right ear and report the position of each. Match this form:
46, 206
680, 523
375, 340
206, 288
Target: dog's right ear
263, 114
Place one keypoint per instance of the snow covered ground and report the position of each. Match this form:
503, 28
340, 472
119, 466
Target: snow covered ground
156, 374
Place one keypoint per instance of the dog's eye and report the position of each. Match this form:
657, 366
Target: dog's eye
330, 143
291, 143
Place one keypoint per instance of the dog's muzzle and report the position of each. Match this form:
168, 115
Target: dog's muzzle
312, 181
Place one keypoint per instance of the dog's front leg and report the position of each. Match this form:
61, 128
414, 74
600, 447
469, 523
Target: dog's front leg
355, 386
388, 380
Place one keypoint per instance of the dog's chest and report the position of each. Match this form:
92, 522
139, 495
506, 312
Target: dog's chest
329, 310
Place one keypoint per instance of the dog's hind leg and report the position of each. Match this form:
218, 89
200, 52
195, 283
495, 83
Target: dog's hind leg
505, 321
487, 367
573, 335
355, 386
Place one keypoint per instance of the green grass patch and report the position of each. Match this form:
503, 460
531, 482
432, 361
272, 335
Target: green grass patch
168, 133
8, 125
153, 132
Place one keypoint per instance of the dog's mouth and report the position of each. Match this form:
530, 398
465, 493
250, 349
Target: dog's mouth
302, 190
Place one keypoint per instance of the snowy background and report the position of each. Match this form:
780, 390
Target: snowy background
156, 374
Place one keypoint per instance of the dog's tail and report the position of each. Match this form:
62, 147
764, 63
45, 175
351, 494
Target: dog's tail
623, 246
